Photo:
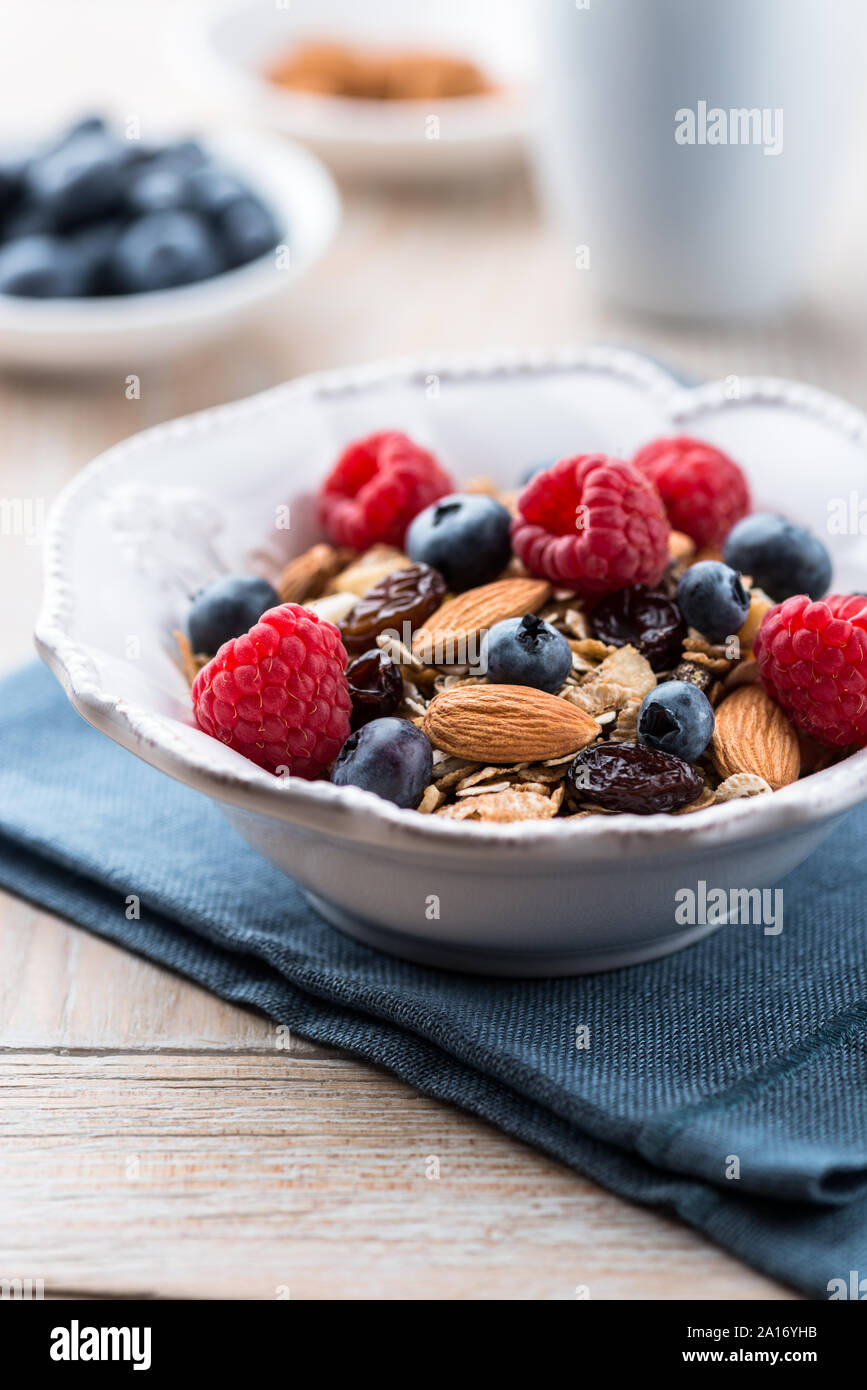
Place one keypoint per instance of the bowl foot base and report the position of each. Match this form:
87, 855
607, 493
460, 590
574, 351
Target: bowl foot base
485, 960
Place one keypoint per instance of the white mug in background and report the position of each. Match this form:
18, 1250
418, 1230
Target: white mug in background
689, 146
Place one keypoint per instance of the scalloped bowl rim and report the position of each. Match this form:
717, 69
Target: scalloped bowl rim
350, 813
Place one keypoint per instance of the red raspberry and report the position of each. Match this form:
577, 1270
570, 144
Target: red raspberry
704, 491
376, 487
813, 660
279, 693
593, 524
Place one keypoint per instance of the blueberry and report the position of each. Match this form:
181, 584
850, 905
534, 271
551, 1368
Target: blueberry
712, 599
227, 608
156, 188
676, 718
780, 557
465, 536
163, 249
212, 189
527, 651
91, 251
85, 125
390, 757
142, 153
13, 164
247, 230
183, 155
39, 267
28, 219
81, 181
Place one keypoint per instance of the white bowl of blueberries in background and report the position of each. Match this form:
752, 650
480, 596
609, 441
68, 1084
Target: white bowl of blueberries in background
117, 250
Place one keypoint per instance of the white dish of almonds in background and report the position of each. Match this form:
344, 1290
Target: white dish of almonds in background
161, 514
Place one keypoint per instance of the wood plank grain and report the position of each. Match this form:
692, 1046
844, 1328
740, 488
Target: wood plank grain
209, 1175
62, 987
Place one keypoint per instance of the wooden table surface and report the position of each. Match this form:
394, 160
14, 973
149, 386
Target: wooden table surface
155, 1141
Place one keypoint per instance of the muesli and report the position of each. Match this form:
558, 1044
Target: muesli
616, 637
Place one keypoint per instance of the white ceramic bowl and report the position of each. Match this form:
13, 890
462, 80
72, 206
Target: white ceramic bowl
228, 54
156, 515
133, 330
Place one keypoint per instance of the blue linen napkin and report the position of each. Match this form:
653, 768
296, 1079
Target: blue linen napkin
744, 1047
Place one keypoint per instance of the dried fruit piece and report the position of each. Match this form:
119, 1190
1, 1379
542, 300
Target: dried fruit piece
647, 619
375, 687
400, 602
506, 724
630, 777
753, 734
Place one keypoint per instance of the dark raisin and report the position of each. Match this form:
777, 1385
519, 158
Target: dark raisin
631, 777
375, 686
645, 617
401, 602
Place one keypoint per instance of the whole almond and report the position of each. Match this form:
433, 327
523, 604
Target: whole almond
506, 724
752, 734
307, 576
448, 634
